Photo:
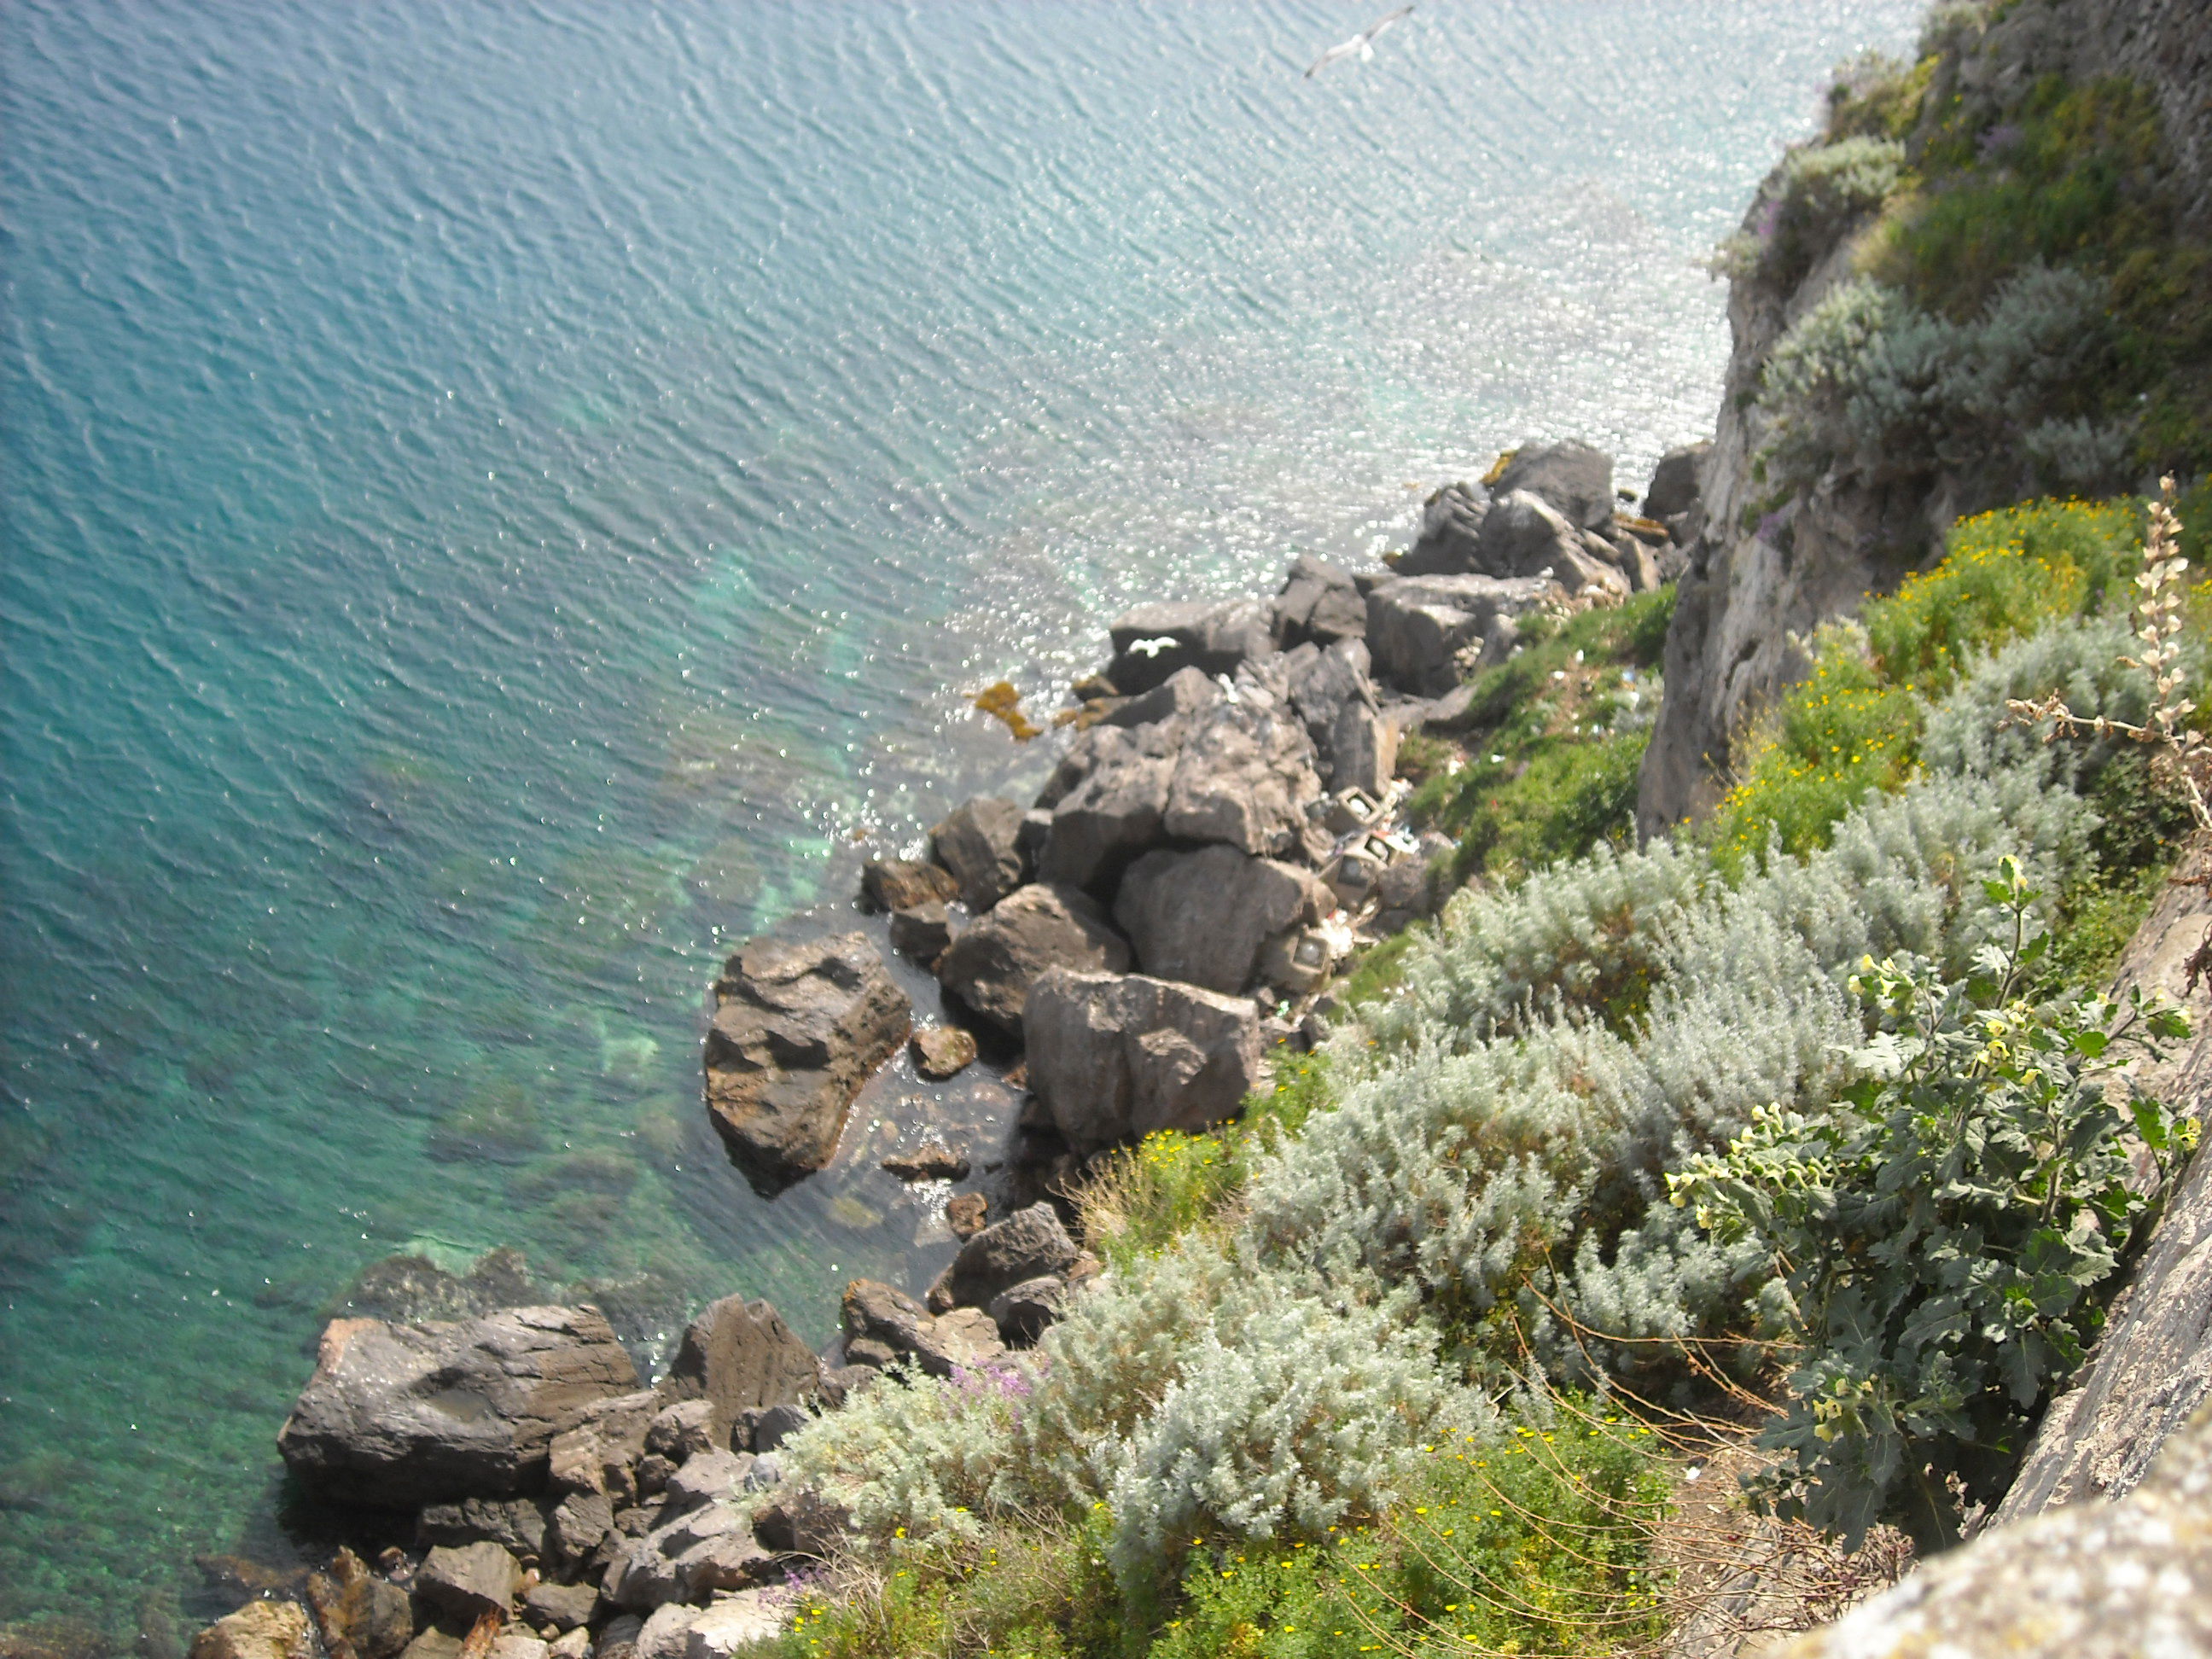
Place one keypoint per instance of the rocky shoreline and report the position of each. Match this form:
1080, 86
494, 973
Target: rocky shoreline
1222, 833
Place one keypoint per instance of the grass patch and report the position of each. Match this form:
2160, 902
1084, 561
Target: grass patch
1546, 768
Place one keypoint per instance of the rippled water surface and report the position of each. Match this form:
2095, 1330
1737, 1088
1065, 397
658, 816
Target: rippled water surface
501, 500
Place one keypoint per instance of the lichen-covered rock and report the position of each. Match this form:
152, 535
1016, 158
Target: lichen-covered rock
1030, 1243
1115, 1057
978, 842
943, 1051
991, 966
259, 1629
1153, 640
404, 1415
1204, 917
2093, 1580
798, 1028
738, 1356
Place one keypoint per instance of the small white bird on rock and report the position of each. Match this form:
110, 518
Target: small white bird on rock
1363, 43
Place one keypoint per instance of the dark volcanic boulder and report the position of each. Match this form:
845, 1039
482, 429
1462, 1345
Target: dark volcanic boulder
1153, 640
1203, 917
1108, 799
469, 1581
977, 843
739, 1356
1574, 479
902, 883
1028, 1245
798, 1028
1524, 536
1319, 604
878, 1316
1451, 526
1427, 632
991, 966
922, 933
1023, 1312
359, 1613
404, 1415
1115, 1057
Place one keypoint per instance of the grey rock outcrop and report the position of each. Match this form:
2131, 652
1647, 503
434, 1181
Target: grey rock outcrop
739, 1356
1116, 1057
1204, 917
1675, 487
682, 1430
735, 1624
2094, 1581
1426, 633
1152, 641
600, 1449
1030, 1243
992, 965
1573, 478
698, 1547
922, 933
1245, 775
564, 1607
798, 1028
1334, 691
1108, 799
515, 1524
977, 843
402, 1415
1319, 605
1023, 1312
1451, 532
1185, 691
1524, 535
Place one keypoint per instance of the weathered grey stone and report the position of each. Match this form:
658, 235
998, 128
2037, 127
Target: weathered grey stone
802, 1524
878, 1316
1524, 537
259, 1629
1152, 642
1115, 1057
572, 1644
1114, 804
1425, 634
2094, 1580
618, 1639
683, 1429
1187, 691
777, 1425
992, 965
703, 1549
1204, 917
902, 884
470, 1580
1030, 1243
1451, 531
599, 1452
1319, 604
798, 1028
666, 1634
709, 1477
1246, 774
517, 1645
978, 842
739, 1354
943, 1051
923, 933
2151, 1366
1023, 1311
577, 1527
1573, 479
358, 1613
734, 1623
516, 1524
1674, 487
1334, 692
564, 1607
402, 1415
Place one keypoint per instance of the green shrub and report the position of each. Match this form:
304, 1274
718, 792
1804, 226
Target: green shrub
1944, 1230
1538, 1540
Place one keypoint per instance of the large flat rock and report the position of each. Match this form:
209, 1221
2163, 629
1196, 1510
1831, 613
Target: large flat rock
1426, 633
405, 1415
799, 1027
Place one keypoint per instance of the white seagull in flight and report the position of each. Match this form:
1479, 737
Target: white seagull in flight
1362, 43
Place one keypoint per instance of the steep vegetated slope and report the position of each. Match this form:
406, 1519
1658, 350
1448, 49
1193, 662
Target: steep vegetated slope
1989, 281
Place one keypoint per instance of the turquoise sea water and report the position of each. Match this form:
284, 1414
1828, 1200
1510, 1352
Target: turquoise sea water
501, 500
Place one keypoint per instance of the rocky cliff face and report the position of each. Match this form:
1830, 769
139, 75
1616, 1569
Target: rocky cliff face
1774, 562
